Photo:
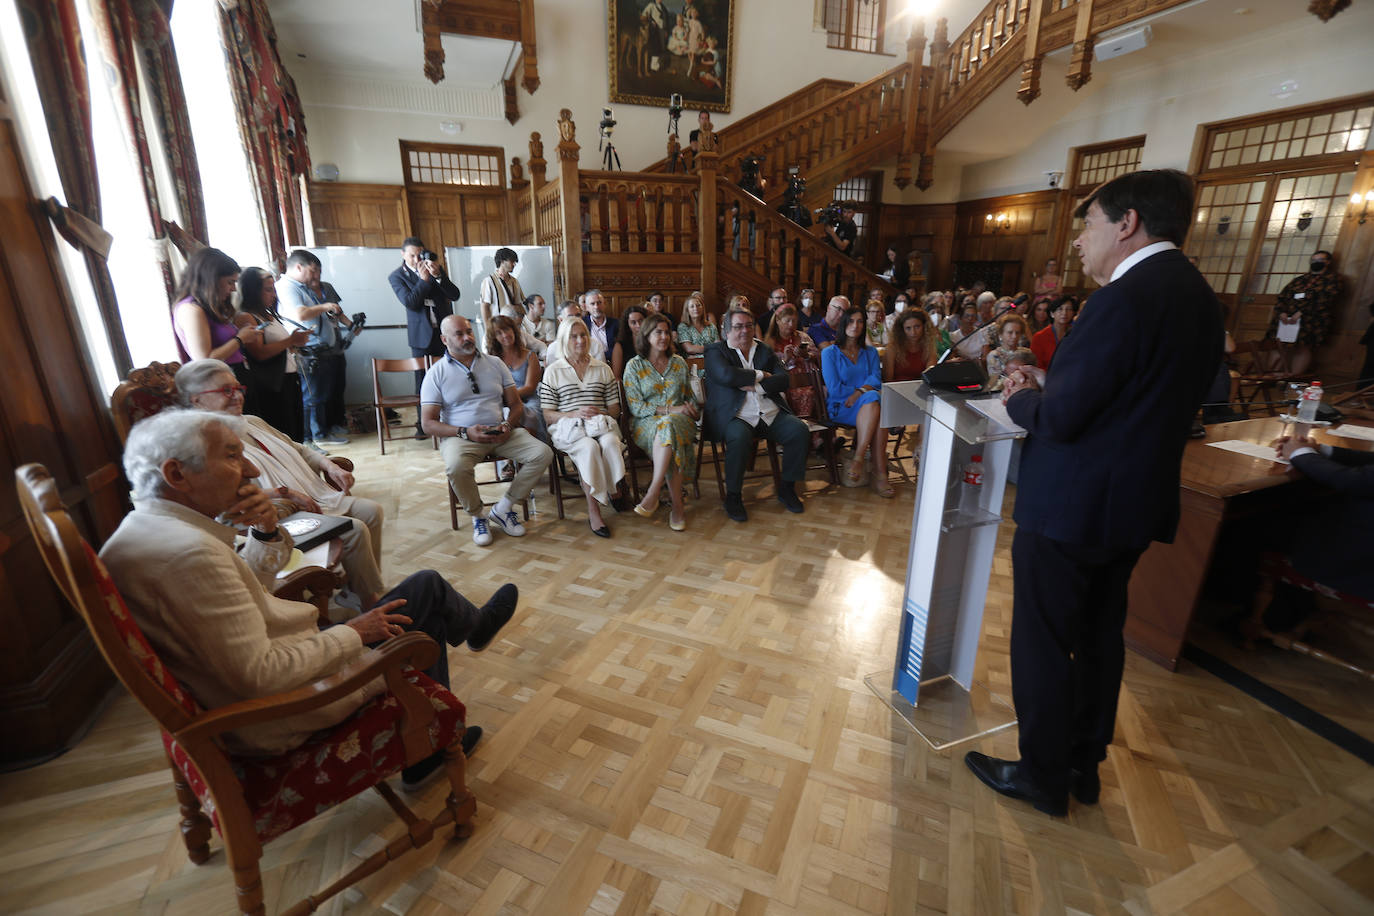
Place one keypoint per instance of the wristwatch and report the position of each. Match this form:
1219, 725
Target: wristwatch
462, 432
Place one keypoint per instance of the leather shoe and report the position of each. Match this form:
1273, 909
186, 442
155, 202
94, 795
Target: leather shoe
420, 433
603, 532
1005, 777
1085, 785
496, 613
734, 508
787, 495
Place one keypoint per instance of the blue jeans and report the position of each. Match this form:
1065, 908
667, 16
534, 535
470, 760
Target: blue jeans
317, 388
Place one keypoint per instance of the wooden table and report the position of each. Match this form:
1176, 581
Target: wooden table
1216, 486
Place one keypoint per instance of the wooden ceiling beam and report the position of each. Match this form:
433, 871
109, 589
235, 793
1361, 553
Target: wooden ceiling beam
504, 20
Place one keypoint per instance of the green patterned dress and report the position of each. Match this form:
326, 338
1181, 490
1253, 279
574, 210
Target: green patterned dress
646, 390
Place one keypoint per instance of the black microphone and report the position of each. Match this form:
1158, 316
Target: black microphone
992, 320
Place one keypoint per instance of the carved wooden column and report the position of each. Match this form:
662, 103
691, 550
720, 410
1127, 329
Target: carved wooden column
568, 151
517, 175
1031, 56
915, 98
529, 62
537, 181
939, 66
1080, 64
434, 48
707, 163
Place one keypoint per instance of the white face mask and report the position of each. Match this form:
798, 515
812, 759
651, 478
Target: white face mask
900, 307
806, 303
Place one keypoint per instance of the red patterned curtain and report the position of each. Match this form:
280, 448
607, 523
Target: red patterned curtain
270, 117
53, 35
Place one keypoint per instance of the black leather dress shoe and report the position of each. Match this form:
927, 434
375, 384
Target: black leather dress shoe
496, 613
734, 508
1006, 778
787, 495
1085, 785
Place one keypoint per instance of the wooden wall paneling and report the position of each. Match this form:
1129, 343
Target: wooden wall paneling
922, 227
51, 676
675, 275
364, 215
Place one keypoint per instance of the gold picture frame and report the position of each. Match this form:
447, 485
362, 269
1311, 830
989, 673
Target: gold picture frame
654, 50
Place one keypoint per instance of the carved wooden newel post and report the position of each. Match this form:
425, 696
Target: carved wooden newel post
708, 161
568, 151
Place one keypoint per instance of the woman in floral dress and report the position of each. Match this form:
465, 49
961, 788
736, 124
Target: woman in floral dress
659, 393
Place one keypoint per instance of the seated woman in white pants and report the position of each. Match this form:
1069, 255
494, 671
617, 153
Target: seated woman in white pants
581, 403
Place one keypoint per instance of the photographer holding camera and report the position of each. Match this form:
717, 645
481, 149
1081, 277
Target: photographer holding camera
840, 230
322, 359
428, 296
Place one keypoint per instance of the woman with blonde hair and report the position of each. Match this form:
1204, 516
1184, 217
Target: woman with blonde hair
698, 329
581, 403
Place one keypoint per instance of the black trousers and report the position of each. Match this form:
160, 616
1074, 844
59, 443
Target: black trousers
786, 430
1066, 652
436, 609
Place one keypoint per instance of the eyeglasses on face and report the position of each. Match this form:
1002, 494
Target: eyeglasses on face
741, 325
228, 391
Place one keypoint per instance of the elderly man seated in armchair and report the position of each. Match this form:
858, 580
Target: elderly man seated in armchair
290, 474
207, 611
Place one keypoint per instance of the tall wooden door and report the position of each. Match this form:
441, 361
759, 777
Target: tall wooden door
52, 678
456, 195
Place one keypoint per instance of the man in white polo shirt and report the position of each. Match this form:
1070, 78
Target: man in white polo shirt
461, 401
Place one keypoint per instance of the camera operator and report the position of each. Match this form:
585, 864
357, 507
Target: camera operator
793, 206
428, 295
840, 230
322, 360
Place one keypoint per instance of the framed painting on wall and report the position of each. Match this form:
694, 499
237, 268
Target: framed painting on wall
657, 48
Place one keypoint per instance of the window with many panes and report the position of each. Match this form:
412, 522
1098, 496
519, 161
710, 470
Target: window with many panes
1300, 136
450, 164
1090, 166
862, 192
855, 25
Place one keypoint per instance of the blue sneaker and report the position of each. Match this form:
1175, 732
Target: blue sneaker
509, 523
480, 535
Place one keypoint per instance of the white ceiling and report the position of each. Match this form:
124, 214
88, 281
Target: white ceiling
381, 38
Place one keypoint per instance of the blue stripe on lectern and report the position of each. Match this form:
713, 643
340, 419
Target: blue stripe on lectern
916, 638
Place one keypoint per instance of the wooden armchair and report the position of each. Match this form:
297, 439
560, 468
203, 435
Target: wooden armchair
251, 800
153, 389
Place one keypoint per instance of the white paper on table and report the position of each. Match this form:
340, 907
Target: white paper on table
994, 410
1353, 432
1288, 331
1253, 449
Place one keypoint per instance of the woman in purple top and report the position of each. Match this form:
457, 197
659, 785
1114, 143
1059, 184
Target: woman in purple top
203, 316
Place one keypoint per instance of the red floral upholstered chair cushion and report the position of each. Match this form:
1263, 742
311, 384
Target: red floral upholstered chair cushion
332, 766
133, 637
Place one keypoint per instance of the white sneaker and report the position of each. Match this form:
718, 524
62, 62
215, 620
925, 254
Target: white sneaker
509, 523
480, 535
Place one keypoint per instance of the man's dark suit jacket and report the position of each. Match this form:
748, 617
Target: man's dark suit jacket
1332, 545
612, 330
725, 373
1101, 464
412, 291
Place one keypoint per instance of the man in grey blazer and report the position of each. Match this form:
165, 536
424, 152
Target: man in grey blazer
744, 401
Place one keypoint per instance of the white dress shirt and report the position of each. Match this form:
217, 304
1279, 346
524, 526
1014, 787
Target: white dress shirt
757, 405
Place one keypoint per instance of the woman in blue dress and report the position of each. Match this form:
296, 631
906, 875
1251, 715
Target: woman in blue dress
853, 379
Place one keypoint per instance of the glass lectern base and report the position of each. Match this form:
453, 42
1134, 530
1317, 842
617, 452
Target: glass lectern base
947, 714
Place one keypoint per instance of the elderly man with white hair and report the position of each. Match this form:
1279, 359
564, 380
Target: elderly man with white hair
209, 612
290, 472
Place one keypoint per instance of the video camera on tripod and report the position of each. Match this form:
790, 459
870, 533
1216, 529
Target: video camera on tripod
607, 127
793, 196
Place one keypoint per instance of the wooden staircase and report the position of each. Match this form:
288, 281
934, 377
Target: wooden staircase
629, 233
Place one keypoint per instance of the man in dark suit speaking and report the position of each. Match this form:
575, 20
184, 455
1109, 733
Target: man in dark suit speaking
1099, 478
428, 295
744, 400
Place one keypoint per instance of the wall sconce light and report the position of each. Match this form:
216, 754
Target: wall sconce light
997, 223
1356, 200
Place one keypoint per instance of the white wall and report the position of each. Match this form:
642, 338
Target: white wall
1167, 100
776, 52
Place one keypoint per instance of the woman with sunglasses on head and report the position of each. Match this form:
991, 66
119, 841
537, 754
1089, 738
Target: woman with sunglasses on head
271, 364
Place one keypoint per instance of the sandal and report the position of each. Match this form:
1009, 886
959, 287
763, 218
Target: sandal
882, 487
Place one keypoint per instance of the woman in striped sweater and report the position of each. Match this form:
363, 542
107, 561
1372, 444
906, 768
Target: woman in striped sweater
581, 406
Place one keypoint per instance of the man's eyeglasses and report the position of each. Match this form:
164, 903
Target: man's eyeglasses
741, 325
228, 391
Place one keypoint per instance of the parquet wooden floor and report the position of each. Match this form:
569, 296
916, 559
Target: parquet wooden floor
677, 724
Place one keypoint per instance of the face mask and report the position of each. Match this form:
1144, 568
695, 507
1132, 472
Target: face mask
899, 307
806, 303
1318, 266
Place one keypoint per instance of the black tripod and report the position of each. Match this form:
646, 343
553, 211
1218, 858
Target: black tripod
610, 155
